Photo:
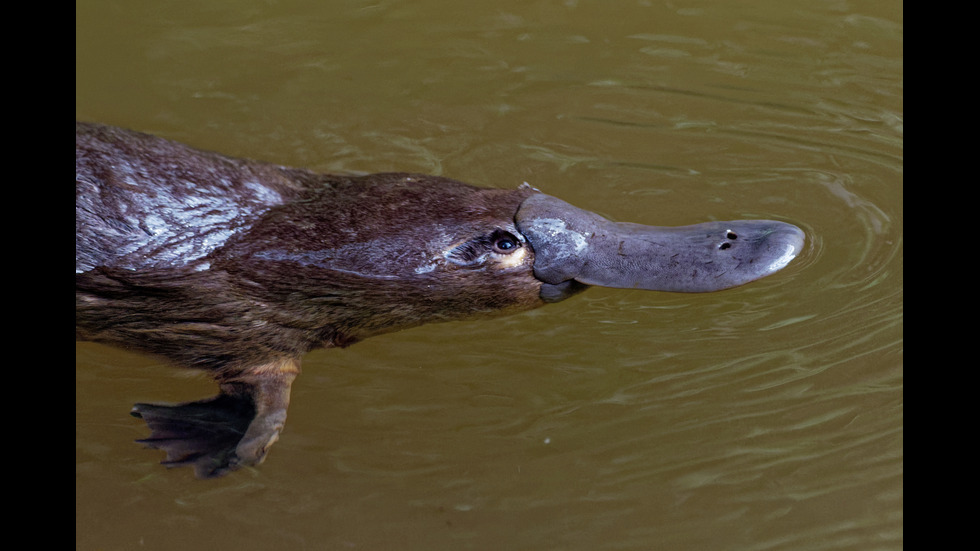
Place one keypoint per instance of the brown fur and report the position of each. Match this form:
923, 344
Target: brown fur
328, 261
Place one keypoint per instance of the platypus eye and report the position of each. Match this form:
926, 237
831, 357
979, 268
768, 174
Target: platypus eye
504, 242
475, 251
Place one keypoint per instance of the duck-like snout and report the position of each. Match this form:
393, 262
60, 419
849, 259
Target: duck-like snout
574, 244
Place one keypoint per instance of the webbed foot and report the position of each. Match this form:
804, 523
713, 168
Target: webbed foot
221, 434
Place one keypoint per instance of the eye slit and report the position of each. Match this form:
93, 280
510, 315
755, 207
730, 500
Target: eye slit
474, 252
504, 242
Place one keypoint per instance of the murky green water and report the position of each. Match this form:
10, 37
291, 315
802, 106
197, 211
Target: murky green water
768, 417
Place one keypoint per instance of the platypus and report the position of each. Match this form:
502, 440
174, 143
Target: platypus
241, 267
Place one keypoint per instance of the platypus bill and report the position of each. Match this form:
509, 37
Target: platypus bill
241, 267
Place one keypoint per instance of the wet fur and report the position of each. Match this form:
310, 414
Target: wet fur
242, 262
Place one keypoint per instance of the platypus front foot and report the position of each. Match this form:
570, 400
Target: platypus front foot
221, 434
203, 434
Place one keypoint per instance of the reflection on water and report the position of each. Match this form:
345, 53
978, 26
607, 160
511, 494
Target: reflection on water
766, 417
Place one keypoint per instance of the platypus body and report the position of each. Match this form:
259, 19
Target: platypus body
241, 267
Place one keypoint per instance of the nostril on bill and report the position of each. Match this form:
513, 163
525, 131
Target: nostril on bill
729, 234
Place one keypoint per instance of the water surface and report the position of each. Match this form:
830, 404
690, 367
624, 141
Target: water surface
766, 417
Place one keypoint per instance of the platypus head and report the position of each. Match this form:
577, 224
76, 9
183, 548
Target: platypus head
387, 251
